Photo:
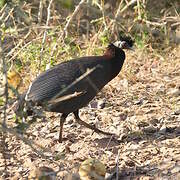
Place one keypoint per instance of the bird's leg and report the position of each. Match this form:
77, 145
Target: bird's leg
79, 121
62, 120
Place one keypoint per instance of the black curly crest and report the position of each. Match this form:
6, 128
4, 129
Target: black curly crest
128, 39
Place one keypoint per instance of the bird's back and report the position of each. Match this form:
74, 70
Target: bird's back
86, 76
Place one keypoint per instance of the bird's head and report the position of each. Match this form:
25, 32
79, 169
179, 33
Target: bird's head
115, 49
124, 43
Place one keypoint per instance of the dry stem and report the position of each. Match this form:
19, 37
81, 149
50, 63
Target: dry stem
45, 34
65, 32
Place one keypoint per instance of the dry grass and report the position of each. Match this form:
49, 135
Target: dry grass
142, 104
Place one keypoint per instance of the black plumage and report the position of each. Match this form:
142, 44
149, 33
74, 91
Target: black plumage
71, 85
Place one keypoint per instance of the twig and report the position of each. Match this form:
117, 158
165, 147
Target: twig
108, 143
18, 51
45, 34
139, 10
3, 8
129, 4
66, 97
117, 165
103, 14
2, 13
117, 14
65, 32
40, 11
9, 14
175, 24
87, 25
19, 44
115, 173
28, 142
154, 23
4, 69
30, 42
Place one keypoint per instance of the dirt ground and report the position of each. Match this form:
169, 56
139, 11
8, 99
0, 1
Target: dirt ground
141, 105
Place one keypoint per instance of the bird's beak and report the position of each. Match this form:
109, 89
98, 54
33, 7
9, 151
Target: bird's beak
131, 48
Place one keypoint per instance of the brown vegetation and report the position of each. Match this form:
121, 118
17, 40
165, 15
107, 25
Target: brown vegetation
142, 105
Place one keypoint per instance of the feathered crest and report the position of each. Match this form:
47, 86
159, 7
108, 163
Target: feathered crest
128, 39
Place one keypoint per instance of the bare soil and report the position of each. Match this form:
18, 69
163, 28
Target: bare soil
142, 106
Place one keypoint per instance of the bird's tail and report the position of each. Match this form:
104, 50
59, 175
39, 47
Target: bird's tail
18, 107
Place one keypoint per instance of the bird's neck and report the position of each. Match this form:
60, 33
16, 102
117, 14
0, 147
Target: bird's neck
117, 64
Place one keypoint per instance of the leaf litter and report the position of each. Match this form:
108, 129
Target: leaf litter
141, 106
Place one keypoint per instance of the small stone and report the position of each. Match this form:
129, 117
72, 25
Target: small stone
139, 102
176, 169
177, 112
42, 173
174, 92
163, 129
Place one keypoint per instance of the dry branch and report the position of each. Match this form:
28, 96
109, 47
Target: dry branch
157, 24
117, 165
132, 2
21, 41
4, 70
64, 98
3, 8
21, 49
40, 13
65, 32
45, 34
116, 15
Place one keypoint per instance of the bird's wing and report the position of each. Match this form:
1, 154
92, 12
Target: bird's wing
59, 81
